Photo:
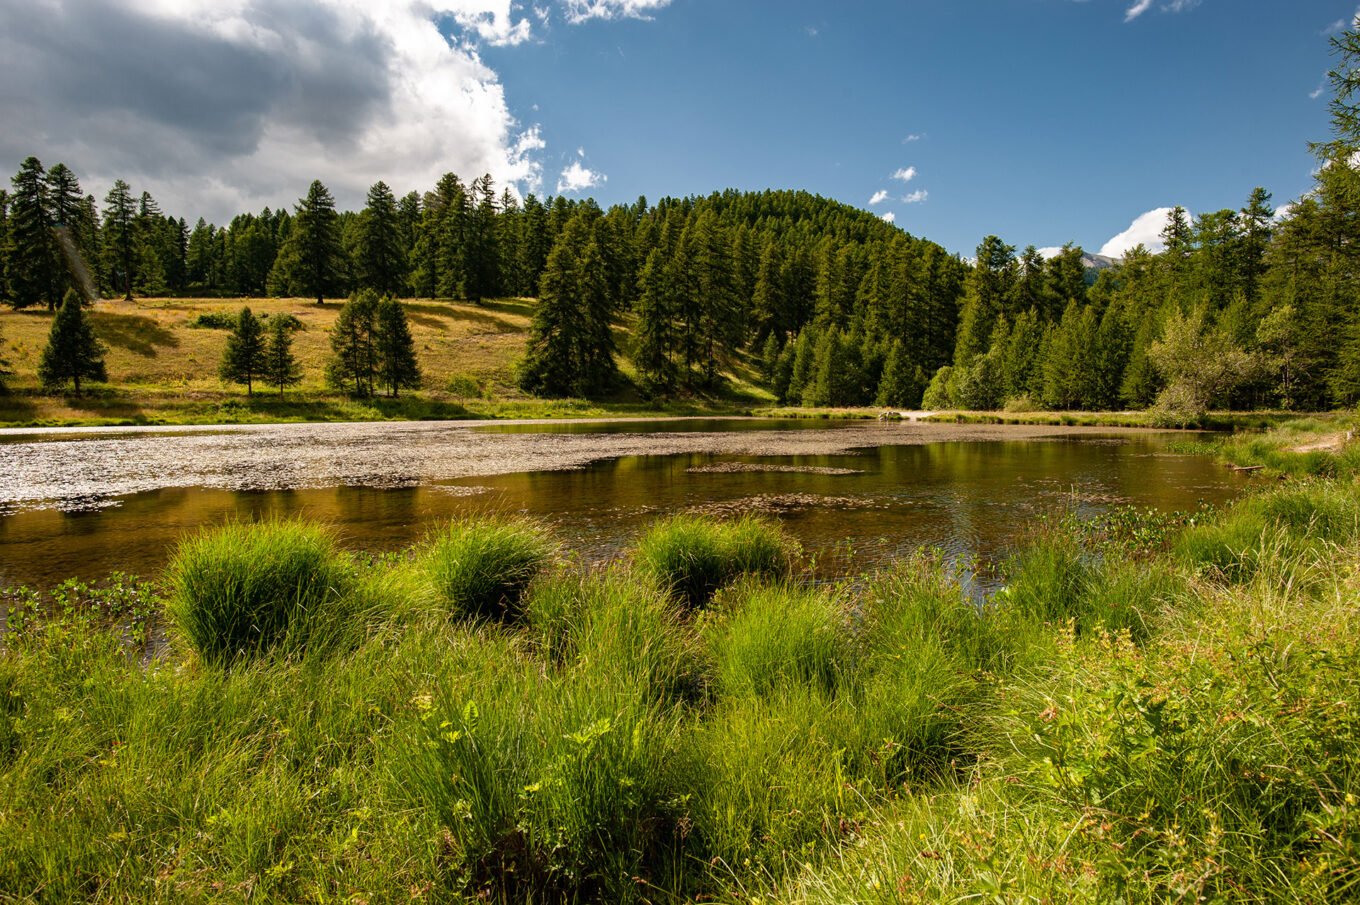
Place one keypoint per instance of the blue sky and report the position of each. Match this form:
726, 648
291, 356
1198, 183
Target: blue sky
1043, 121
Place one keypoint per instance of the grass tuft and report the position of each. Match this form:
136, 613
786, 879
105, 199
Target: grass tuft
480, 567
244, 589
691, 557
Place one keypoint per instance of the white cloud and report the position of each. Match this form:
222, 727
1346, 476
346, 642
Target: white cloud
906, 175
1145, 230
1317, 92
578, 11
1169, 6
577, 178
889, 217
1138, 8
911, 138
1049, 252
916, 197
1284, 211
266, 96
879, 197
1341, 25
493, 21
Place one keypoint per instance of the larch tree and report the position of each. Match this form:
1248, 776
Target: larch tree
33, 266
243, 359
281, 368
381, 255
313, 257
120, 239
394, 348
73, 353
353, 362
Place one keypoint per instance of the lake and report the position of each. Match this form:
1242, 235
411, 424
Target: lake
86, 502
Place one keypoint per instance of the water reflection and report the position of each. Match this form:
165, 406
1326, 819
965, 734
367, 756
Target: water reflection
970, 498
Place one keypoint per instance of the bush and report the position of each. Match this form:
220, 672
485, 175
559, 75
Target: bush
243, 589
213, 320
691, 557
480, 567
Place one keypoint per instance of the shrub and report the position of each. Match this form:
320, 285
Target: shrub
213, 320
691, 557
480, 567
243, 589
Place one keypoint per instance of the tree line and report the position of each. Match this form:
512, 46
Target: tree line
824, 303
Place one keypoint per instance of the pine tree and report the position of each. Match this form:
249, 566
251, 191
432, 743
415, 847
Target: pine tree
655, 329
243, 359
33, 267
901, 385
4, 244
395, 349
481, 261
353, 361
72, 351
120, 239
313, 258
381, 258
280, 366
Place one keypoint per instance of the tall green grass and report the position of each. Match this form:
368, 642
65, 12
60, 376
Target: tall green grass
693, 556
242, 590
1111, 729
480, 567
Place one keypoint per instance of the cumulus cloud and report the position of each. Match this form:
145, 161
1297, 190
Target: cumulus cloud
577, 178
578, 11
220, 106
1050, 251
889, 217
879, 197
1145, 230
916, 197
906, 174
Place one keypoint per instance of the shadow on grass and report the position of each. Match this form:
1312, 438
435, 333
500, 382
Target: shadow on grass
17, 409
133, 332
431, 314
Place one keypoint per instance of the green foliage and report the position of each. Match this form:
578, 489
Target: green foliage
242, 590
281, 368
72, 351
394, 348
763, 638
354, 355
691, 557
245, 356
33, 268
481, 567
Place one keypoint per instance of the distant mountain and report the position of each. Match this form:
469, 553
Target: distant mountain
1098, 262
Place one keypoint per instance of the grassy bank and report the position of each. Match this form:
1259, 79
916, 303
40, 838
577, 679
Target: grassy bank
1150, 709
163, 355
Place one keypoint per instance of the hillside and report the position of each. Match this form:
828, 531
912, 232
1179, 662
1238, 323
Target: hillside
163, 368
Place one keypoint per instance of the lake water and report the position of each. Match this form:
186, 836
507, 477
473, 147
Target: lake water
856, 494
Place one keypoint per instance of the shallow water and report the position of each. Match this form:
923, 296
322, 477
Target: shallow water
855, 494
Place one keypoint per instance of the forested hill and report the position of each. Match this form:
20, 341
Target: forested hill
707, 276
833, 305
